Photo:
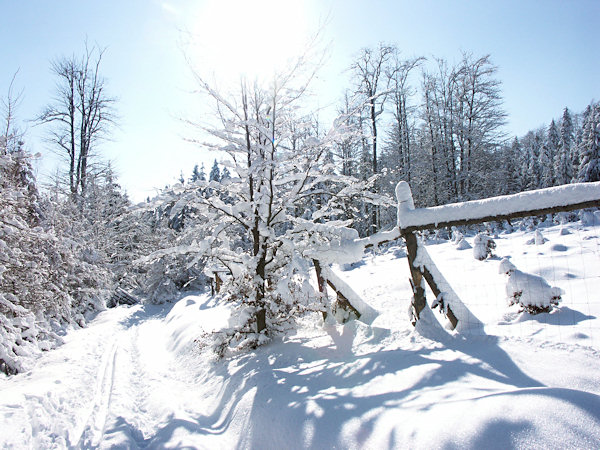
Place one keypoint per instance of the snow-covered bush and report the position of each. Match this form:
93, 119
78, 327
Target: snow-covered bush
57, 259
589, 218
537, 239
457, 235
532, 292
164, 247
483, 246
37, 269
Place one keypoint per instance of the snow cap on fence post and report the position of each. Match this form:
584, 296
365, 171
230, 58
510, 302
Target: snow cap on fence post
405, 200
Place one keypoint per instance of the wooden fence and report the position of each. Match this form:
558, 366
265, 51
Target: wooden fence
423, 269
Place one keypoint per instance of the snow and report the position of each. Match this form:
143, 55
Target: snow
137, 378
502, 205
462, 244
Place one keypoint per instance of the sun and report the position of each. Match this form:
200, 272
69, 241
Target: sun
251, 38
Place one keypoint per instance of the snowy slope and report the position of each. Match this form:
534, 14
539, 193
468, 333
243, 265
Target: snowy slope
135, 377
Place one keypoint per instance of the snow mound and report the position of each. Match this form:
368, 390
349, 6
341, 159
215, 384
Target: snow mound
191, 318
537, 239
463, 244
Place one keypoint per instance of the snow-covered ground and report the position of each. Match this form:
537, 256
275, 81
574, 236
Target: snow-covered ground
135, 377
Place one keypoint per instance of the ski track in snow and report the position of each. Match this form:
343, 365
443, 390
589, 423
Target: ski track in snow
93, 385
94, 426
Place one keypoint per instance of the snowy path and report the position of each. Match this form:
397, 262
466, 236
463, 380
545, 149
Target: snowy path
100, 383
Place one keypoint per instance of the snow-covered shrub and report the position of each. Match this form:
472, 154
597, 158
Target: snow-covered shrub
537, 239
508, 227
483, 246
589, 218
53, 267
457, 236
564, 231
36, 268
532, 292
165, 261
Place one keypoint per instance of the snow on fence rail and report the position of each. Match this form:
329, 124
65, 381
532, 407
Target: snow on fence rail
422, 268
569, 197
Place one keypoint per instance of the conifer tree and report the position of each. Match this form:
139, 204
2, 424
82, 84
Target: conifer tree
564, 158
225, 175
589, 169
215, 173
198, 174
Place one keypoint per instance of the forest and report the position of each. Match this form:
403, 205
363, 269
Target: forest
283, 189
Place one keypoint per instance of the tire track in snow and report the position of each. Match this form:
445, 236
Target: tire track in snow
93, 429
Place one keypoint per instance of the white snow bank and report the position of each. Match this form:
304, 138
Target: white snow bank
191, 318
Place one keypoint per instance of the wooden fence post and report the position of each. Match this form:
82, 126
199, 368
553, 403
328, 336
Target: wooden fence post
406, 203
418, 300
342, 301
218, 283
321, 282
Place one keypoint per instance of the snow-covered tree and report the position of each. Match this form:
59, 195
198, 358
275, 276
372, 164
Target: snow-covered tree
281, 205
548, 155
369, 71
225, 174
564, 156
532, 143
398, 147
589, 147
215, 173
513, 167
198, 174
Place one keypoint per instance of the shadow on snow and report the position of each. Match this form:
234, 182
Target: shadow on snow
299, 396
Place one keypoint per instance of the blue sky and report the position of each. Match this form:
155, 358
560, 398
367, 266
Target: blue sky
546, 52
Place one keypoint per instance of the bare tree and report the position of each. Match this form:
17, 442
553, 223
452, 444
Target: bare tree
400, 91
463, 119
369, 72
82, 113
11, 135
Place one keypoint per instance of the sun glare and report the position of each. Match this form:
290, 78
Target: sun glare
250, 38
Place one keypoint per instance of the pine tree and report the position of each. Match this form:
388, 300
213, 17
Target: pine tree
549, 153
532, 143
215, 173
198, 174
564, 156
225, 175
512, 168
589, 169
